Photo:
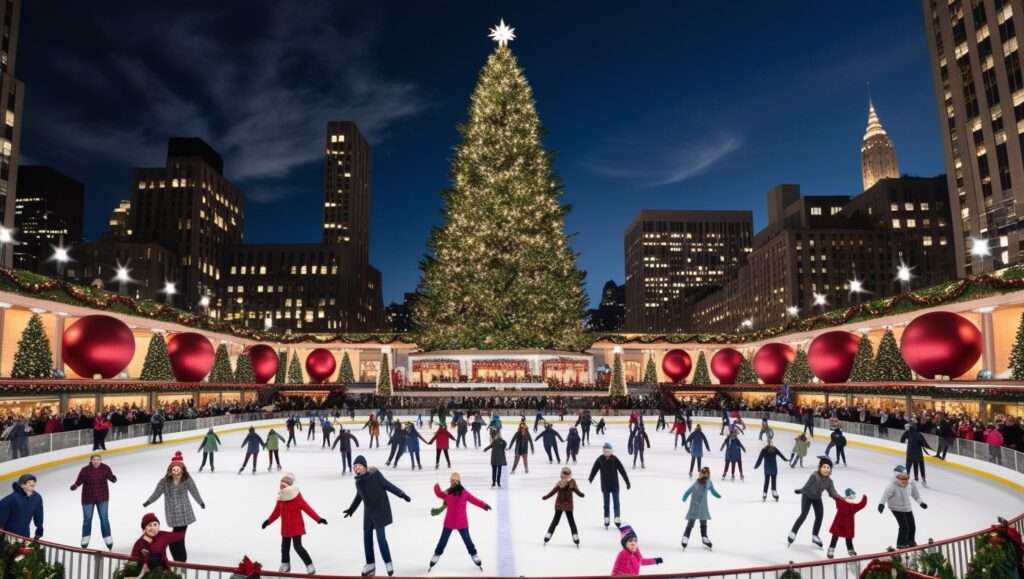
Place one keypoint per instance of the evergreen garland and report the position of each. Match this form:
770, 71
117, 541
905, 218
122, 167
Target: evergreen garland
222, 373
384, 377
1017, 353
995, 557
799, 370
295, 370
282, 363
27, 561
617, 387
650, 371
33, 359
244, 374
863, 369
347, 375
746, 375
889, 363
701, 376
790, 574
157, 366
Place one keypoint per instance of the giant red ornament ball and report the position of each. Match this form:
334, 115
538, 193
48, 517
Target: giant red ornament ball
771, 360
98, 345
320, 365
725, 365
676, 365
941, 344
264, 362
831, 356
191, 356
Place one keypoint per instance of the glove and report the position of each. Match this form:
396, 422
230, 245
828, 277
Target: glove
628, 486
202, 506
322, 522
72, 487
407, 498
924, 505
487, 507
798, 491
265, 524
348, 513
658, 561
145, 504
881, 509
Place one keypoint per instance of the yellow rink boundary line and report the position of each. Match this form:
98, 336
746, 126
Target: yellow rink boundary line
611, 420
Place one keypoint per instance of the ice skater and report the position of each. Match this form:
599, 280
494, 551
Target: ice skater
769, 456
698, 509
521, 445
660, 425
734, 450
900, 496
209, 446
412, 446
456, 498
94, 478
327, 429
611, 469
726, 422
810, 497
638, 439
252, 443
461, 428
550, 435
572, 445
343, 442
766, 429
584, 421
150, 550
497, 449
477, 426
397, 445
837, 440
600, 429
917, 447
289, 426
100, 429
175, 487
843, 525
156, 425
311, 428
629, 560
441, 441
678, 432
800, 446
372, 491
273, 446
696, 444
374, 427
565, 488
289, 508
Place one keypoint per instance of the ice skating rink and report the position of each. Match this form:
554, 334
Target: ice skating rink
745, 531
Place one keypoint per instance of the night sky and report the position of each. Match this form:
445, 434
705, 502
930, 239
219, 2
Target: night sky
662, 105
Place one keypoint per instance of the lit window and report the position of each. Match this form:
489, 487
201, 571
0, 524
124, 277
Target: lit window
908, 206
927, 241
911, 223
924, 206
895, 223
815, 210
894, 207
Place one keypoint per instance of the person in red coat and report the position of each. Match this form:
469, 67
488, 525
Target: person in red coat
846, 509
289, 508
443, 438
100, 429
151, 548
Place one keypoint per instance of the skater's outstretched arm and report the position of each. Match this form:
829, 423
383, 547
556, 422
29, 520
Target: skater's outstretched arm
713, 490
577, 490
689, 491
593, 471
391, 488
218, 438
760, 457
475, 501
273, 515
354, 506
158, 492
550, 494
193, 490
622, 471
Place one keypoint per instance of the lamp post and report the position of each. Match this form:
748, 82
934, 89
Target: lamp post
61, 256
820, 301
6, 238
122, 277
793, 311
903, 275
204, 303
169, 291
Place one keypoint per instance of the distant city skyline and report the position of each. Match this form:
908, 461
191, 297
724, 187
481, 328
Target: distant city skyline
646, 107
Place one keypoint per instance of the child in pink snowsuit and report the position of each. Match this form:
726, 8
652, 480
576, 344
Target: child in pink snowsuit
630, 560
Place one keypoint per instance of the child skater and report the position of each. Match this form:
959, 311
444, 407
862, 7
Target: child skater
209, 445
638, 439
900, 496
343, 442
800, 446
151, 548
252, 443
837, 440
769, 455
842, 525
273, 447
599, 429
498, 461
696, 444
289, 508
443, 439
678, 432
572, 445
630, 560
412, 445
810, 497
564, 488
698, 510
374, 427
733, 455
455, 500
521, 444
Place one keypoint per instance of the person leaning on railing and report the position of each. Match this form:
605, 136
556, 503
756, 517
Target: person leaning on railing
24, 506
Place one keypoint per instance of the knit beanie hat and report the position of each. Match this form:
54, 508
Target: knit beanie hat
360, 460
149, 518
178, 459
899, 470
566, 470
607, 446
849, 493
626, 533
822, 460
288, 478
25, 478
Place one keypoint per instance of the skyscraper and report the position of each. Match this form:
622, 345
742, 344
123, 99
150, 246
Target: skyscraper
979, 90
347, 190
12, 92
877, 154
48, 213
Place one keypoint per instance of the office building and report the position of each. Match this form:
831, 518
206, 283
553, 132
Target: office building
347, 167
48, 215
12, 98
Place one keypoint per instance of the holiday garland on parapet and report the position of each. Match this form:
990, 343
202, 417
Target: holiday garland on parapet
799, 370
33, 359
347, 375
617, 386
222, 373
650, 371
157, 366
701, 376
863, 369
134, 570
27, 561
997, 554
282, 365
295, 370
384, 377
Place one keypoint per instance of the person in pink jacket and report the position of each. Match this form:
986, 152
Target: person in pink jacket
630, 560
994, 440
455, 519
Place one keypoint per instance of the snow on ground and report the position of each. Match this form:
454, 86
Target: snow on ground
745, 531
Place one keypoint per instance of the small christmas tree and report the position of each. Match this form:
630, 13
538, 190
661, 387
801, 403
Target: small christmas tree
798, 371
244, 373
347, 375
282, 364
651, 371
746, 374
889, 363
1017, 353
701, 376
617, 387
384, 377
33, 359
295, 370
157, 366
863, 369
222, 373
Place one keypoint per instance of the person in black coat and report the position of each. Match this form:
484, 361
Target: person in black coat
837, 441
572, 445
769, 456
372, 491
584, 422
397, 444
344, 442
497, 449
610, 468
549, 435
809, 422
637, 440
521, 444
916, 445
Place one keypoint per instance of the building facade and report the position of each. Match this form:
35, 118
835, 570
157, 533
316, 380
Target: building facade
48, 214
673, 255
151, 266
120, 224
877, 153
979, 90
610, 314
347, 167
12, 93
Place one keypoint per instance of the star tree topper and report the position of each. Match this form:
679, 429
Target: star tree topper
502, 33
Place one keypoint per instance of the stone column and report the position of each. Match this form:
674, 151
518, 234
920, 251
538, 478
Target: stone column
58, 354
988, 351
910, 405
3, 316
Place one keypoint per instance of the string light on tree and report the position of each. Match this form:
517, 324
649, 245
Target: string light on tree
502, 34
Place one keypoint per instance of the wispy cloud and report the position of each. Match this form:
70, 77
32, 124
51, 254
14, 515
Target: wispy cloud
672, 164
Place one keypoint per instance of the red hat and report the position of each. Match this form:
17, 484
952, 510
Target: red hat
149, 518
178, 459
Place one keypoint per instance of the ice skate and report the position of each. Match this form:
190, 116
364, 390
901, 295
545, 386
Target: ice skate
369, 570
285, 568
390, 568
85, 541
831, 553
764, 498
685, 542
851, 553
547, 537
576, 539
109, 542
606, 523
790, 539
924, 483
707, 543
618, 522
240, 470
742, 478
817, 541
270, 468
477, 562
310, 569
433, 561
775, 496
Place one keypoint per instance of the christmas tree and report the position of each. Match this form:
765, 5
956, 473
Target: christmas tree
798, 371
222, 373
282, 364
617, 387
33, 359
863, 362
650, 372
384, 377
157, 365
295, 370
244, 373
1017, 353
500, 272
347, 375
889, 363
746, 374
701, 377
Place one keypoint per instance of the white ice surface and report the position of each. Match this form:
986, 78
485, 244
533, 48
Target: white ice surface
745, 531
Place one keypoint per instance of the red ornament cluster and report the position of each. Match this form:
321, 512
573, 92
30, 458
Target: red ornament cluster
320, 365
831, 356
98, 345
191, 356
676, 365
771, 361
264, 362
725, 365
941, 344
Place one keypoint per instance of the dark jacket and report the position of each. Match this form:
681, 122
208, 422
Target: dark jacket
733, 449
549, 435
253, 443
497, 448
17, 510
344, 441
769, 456
572, 441
837, 439
94, 484
637, 438
916, 444
563, 502
372, 488
609, 467
521, 443
696, 443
